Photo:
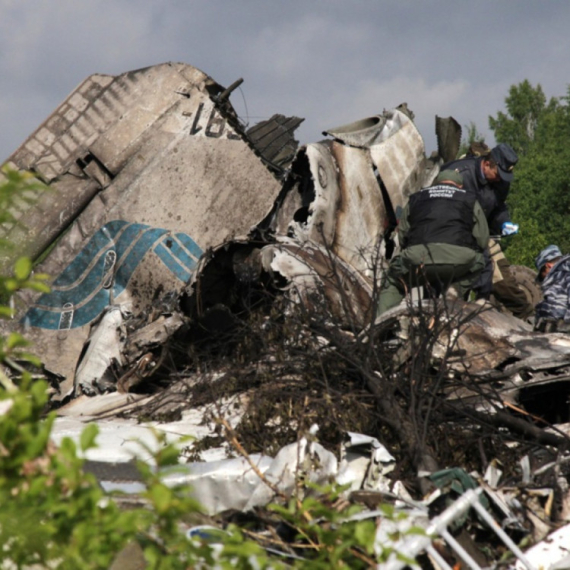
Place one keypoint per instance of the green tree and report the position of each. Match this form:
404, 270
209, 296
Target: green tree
539, 199
526, 108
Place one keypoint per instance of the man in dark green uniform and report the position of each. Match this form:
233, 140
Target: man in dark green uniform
443, 232
489, 176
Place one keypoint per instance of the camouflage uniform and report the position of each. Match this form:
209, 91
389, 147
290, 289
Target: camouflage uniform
554, 309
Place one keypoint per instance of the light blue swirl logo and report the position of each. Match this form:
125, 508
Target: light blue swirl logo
102, 270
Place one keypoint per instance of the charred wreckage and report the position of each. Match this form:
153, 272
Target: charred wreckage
214, 279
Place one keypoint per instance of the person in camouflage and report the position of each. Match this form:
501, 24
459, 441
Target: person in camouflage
553, 312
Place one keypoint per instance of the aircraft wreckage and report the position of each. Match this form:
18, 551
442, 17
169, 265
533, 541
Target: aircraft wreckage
207, 274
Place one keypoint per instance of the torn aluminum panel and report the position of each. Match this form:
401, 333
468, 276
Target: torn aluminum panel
122, 439
304, 460
401, 161
479, 337
362, 134
365, 463
312, 273
306, 272
115, 357
146, 171
517, 365
150, 335
102, 348
224, 484
507, 362
345, 193
340, 205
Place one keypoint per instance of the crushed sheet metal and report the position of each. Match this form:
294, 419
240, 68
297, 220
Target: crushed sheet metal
224, 484
483, 337
153, 334
235, 484
334, 195
104, 405
362, 133
553, 553
500, 349
103, 347
400, 159
119, 438
109, 344
309, 269
180, 177
364, 464
305, 458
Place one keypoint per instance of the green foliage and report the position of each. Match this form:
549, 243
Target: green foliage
16, 186
52, 510
526, 106
337, 537
539, 198
55, 515
328, 536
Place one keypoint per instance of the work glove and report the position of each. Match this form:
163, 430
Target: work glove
509, 229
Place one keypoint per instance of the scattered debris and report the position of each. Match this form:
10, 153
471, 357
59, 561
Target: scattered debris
215, 280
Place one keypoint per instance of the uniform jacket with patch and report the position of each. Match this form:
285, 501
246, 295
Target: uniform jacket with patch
443, 214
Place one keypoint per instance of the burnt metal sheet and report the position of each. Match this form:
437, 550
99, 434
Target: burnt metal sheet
314, 274
274, 140
345, 193
506, 361
448, 133
400, 158
307, 272
146, 171
341, 208
362, 134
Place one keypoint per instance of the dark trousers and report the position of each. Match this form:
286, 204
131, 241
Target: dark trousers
413, 267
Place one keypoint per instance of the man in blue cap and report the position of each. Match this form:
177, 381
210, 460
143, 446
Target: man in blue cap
489, 176
442, 232
553, 312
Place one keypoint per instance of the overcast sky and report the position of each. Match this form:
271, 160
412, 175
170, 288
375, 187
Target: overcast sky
329, 61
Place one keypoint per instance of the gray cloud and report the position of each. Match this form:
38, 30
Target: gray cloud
328, 61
